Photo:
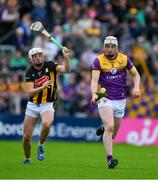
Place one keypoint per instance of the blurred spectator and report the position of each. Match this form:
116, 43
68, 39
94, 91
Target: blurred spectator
19, 39
121, 9
83, 23
2, 6
11, 14
3, 87
25, 25
107, 13
137, 15
126, 42
83, 96
68, 96
154, 62
4, 65
39, 11
14, 92
93, 33
113, 28
18, 62
25, 7
69, 26
88, 57
55, 14
3, 105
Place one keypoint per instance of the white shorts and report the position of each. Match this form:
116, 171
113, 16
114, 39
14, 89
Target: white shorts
118, 106
34, 110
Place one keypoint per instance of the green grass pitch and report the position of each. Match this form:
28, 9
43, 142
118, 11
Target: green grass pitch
65, 160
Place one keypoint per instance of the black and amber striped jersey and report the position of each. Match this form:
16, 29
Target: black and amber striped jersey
49, 72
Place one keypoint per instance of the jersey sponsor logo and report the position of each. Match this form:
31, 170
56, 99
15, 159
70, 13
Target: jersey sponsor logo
40, 81
113, 71
114, 77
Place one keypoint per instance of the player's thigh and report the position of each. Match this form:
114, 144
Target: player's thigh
47, 117
47, 113
106, 114
29, 125
106, 111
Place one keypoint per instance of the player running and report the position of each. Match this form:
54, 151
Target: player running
41, 87
109, 71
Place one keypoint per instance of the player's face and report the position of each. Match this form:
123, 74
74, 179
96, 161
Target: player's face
111, 51
37, 60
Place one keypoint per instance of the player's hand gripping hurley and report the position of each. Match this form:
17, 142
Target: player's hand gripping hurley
101, 93
37, 26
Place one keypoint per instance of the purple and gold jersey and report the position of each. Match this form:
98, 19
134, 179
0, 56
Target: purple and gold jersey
113, 75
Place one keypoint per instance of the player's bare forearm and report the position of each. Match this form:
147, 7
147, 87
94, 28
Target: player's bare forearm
94, 82
136, 77
94, 87
136, 80
66, 54
65, 68
67, 65
31, 91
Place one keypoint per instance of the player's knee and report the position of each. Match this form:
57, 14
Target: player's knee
27, 137
110, 128
47, 125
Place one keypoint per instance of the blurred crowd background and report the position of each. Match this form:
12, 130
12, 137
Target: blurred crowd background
81, 25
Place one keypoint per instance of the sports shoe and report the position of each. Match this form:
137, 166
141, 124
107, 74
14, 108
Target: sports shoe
27, 161
100, 130
112, 163
41, 154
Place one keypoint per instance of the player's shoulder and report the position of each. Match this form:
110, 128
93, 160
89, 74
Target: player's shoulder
29, 70
122, 56
101, 55
51, 65
48, 63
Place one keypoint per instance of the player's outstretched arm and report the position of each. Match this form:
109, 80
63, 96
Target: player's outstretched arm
65, 68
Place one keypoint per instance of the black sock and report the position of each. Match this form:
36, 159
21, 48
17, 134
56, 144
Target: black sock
109, 157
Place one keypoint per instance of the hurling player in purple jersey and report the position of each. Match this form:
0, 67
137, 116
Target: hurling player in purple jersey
109, 71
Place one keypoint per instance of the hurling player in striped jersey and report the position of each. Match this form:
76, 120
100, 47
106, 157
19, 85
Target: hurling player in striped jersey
41, 87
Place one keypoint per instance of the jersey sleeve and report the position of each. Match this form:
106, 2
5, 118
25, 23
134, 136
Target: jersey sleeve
52, 66
96, 65
129, 64
28, 76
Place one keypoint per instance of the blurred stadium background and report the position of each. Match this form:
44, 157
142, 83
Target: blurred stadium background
81, 25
